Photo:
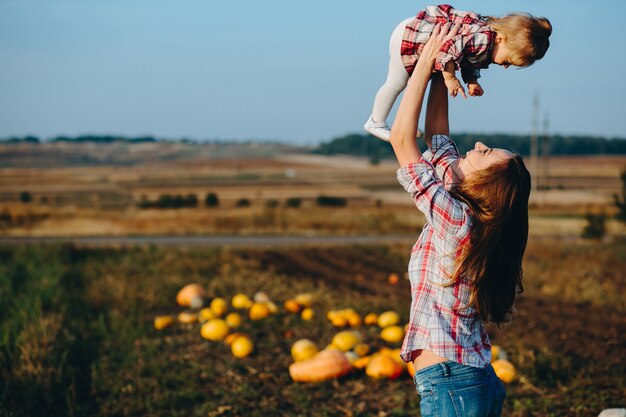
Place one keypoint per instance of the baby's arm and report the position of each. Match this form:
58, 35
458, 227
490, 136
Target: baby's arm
452, 83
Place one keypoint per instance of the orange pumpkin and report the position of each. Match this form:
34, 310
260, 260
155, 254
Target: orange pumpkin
383, 366
191, 295
327, 364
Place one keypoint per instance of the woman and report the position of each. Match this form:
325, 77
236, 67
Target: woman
465, 268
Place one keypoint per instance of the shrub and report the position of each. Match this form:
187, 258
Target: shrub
25, 197
211, 200
620, 200
330, 201
294, 202
596, 226
243, 202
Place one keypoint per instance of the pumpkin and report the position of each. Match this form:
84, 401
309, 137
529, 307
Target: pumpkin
292, 307
505, 370
393, 279
215, 329
388, 318
206, 314
304, 299
392, 334
241, 301
361, 349
383, 366
191, 295
261, 297
259, 311
218, 306
346, 340
362, 362
233, 320
231, 337
307, 314
303, 349
187, 318
410, 368
339, 321
163, 322
327, 364
497, 353
354, 320
371, 319
352, 357
273, 307
242, 346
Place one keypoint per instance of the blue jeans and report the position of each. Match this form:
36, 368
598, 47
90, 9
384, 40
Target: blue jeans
452, 389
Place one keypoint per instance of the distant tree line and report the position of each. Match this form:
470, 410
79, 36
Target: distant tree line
83, 138
366, 145
175, 201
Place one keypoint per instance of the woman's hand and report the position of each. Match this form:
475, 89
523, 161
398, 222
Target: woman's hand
441, 34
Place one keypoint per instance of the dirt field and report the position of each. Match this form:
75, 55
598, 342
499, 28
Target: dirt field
95, 189
79, 338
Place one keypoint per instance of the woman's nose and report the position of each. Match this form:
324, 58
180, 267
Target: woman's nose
479, 146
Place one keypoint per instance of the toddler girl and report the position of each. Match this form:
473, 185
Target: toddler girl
517, 39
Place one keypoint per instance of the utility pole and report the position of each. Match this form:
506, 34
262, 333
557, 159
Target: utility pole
534, 146
545, 151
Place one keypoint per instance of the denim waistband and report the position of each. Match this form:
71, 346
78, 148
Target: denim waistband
450, 369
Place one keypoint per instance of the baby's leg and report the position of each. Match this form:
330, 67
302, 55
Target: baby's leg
397, 77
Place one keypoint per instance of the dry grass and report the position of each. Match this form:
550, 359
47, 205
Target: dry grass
101, 199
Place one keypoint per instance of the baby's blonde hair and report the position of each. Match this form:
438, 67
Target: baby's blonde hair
525, 35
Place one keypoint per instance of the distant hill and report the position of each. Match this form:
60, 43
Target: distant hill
366, 145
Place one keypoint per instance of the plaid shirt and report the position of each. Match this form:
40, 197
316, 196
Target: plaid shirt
440, 319
469, 52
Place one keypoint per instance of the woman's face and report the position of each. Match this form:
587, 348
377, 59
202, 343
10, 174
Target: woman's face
482, 157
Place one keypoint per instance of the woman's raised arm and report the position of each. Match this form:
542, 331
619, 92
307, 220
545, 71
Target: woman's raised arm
405, 125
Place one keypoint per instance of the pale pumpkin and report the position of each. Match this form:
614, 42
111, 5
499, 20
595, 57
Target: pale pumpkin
304, 299
191, 295
383, 366
187, 318
327, 364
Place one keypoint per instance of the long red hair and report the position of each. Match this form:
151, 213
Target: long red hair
498, 200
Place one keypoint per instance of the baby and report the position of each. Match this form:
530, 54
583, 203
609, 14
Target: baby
516, 39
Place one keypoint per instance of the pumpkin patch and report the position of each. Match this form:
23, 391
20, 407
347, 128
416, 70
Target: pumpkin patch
369, 345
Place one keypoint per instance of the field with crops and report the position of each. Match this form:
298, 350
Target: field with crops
98, 331
79, 336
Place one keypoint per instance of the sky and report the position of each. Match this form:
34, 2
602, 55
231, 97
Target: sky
302, 72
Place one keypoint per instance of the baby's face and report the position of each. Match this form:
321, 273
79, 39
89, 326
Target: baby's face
501, 55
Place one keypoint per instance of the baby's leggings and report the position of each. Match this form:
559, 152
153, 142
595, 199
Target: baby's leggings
397, 77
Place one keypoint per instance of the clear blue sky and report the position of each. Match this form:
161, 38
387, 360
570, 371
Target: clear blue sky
298, 71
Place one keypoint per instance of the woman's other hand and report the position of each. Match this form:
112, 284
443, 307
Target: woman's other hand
440, 35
